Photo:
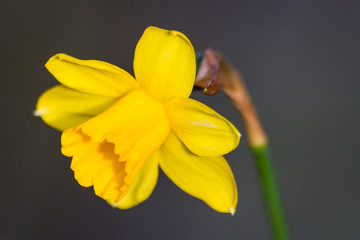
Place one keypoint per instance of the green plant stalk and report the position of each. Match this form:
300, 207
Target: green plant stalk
212, 66
270, 193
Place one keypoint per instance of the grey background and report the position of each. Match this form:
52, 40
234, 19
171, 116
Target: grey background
300, 60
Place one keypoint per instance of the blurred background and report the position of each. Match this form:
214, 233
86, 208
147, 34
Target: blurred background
300, 60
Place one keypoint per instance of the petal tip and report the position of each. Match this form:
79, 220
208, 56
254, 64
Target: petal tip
55, 58
39, 112
111, 203
172, 32
238, 138
232, 211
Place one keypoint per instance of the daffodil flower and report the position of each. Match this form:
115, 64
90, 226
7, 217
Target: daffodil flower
119, 130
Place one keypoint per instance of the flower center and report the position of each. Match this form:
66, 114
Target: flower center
136, 126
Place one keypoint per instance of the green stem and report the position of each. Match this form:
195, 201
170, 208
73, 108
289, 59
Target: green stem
270, 193
233, 85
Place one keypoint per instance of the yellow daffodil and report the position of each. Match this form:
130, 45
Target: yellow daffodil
119, 130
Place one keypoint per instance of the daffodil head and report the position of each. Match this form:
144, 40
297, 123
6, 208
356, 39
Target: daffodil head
118, 130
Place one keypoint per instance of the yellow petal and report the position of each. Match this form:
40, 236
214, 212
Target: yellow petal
201, 129
136, 125
207, 178
94, 164
142, 187
91, 76
62, 108
164, 63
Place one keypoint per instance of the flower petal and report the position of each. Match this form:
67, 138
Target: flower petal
207, 178
142, 187
94, 164
165, 64
91, 76
201, 129
136, 125
62, 108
